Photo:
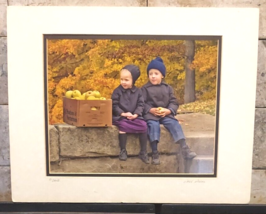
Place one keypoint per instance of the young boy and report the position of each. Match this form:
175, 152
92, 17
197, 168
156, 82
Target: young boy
157, 93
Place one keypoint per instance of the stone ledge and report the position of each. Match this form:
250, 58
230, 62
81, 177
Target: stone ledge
4, 136
77, 3
169, 164
261, 75
3, 71
258, 187
84, 142
3, 8
53, 143
5, 183
259, 148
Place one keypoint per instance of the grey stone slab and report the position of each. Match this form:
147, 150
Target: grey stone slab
261, 4
3, 9
95, 142
259, 148
5, 183
169, 164
4, 135
78, 3
3, 71
261, 75
54, 144
258, 187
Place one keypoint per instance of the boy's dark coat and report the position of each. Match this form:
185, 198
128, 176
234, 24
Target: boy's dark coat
161, 95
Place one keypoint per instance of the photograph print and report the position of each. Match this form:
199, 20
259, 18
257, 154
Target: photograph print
132, 105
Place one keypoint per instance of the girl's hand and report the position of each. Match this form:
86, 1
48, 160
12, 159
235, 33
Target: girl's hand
132, 117
127, 114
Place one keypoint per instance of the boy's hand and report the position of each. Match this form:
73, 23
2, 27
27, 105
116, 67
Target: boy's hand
165, 112
132, 117
162, 112
156, 112
127, 114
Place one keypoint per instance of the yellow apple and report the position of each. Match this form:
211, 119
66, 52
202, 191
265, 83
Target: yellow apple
76, 93
96, 94
102, 98
82, 97
91, 98
69, 94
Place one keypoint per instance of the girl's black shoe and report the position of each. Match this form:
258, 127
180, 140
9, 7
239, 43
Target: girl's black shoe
123, 155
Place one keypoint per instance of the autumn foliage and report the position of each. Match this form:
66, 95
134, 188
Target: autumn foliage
95, 65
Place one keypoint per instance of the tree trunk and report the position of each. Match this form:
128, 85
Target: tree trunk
190, 73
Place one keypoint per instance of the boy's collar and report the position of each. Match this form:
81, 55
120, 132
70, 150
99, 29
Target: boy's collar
150, 84
133, 89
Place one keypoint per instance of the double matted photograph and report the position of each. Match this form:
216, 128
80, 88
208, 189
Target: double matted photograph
66, 139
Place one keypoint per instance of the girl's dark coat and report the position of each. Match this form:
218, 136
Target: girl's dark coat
127, 100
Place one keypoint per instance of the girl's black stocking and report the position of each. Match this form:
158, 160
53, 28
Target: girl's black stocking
143, 142
122, 141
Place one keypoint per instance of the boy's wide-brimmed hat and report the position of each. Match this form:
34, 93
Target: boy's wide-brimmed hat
134, 70
158, 64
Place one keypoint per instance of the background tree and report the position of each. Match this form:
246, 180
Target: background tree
190, 71
95, 65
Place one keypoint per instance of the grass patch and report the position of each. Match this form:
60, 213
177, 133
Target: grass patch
204, 107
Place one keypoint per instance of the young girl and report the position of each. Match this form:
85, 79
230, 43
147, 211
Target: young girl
157, 93
128, 107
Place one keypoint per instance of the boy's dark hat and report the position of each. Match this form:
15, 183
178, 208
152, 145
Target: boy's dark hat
134, 70
157, 63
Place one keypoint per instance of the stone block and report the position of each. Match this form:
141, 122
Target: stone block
53, 143
4, 136
3, 9
261, 4
261, 75
126, 3
133, 164
258, 187
259, 149
203, 164
95, 142
3, 71
5, 183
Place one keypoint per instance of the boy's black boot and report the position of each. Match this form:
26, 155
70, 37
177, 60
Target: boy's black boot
144, 157
155, 158
122, 144
187, 153
185, 150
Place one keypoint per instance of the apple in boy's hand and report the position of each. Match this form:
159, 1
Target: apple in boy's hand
160, 110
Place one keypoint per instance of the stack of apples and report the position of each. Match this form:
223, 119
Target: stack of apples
89, 95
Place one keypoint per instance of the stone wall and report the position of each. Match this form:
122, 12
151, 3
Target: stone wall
81, 150
258, 194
